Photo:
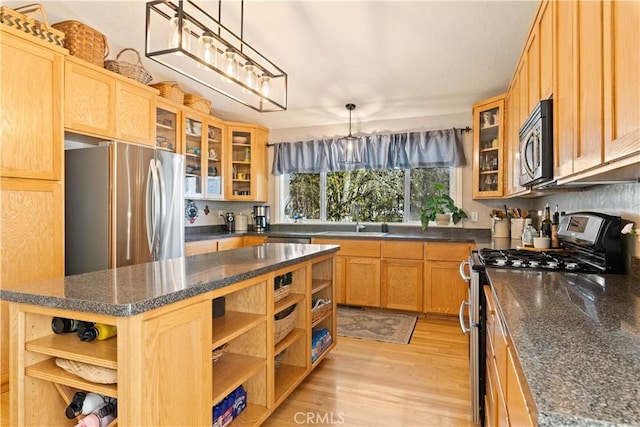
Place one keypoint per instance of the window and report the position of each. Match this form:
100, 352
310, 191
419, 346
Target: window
382, 195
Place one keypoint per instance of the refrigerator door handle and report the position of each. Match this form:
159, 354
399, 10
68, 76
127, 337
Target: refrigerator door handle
465, 330
149, 209
163, 221
156, 205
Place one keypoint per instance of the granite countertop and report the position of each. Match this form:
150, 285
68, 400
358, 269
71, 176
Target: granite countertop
135, 289
442, 234
578, 340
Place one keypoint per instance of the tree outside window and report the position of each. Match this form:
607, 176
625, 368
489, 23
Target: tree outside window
380, 194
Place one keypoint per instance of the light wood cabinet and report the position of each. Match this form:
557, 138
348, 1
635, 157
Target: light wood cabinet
359, 271
89, 99
596, 92
507, 394
31, 192
200, 247
194, 143
135, 114
402, 275
488, 148
31, 97
253, 240
246, 176
444, 289
163, 356
621, 44
230, 243
102, 104
362, 281
32, 235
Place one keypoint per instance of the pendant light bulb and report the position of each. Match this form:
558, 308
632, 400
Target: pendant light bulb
174, 34
250, 75
265, 86
351, 154
207, 50
230, 65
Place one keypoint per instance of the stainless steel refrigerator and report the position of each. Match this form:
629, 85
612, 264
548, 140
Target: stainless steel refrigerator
123, 206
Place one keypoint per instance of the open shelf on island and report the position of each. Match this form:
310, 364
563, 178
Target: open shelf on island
48, 370
319, 284
68, 346
231, 370
288, 340
288, 301
232, 325
287, 377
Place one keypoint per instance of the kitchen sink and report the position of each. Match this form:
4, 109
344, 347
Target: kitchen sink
352, 233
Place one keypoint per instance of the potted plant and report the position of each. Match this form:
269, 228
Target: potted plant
439, 207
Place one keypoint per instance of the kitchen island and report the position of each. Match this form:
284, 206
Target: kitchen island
577, 339
162, 354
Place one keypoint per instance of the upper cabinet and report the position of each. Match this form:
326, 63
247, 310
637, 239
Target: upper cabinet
31, 94
621, 36
168, 133
596, 89
246, 164
488, 148
102, 104
194, 144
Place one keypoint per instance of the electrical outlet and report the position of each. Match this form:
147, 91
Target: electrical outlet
474, 216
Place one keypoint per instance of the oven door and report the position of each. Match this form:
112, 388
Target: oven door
476, 356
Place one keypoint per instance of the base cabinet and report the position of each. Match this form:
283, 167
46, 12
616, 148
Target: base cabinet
362, 281
507, 397
444, 289
166, 372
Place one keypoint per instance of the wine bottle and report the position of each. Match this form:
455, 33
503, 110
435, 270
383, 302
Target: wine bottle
545, 228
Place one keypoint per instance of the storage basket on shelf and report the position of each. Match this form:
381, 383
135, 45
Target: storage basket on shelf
133, 71
285, 322
21, 19
281, 293
197, 103
320, 307
217, 353
170, 90
84, 42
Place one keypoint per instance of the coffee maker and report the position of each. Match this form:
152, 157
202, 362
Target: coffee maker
261, 218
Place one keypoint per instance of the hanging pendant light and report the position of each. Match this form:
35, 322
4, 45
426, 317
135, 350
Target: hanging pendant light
351, 152
201, 48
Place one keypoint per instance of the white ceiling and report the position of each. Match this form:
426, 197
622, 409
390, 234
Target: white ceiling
393, 59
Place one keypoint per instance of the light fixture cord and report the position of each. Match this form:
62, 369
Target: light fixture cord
241, 25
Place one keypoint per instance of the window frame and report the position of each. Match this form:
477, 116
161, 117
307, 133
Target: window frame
281, 187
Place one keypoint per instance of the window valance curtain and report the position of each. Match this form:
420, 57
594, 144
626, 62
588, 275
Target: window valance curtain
425, 149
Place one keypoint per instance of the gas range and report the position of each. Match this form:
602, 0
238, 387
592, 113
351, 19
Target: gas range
589, 243
543, 260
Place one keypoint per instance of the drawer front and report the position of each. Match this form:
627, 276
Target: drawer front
403, 250
447, 251
200, 247
363, 248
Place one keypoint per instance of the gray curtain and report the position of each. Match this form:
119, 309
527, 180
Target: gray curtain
426, 149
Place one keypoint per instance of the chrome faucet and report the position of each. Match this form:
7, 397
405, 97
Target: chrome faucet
355, 212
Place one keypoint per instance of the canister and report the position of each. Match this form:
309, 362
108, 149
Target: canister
241, 222
500, 227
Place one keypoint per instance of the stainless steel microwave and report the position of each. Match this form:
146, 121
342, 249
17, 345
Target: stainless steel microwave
536, 146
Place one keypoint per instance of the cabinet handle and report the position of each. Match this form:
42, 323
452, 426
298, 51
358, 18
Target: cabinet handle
465, 330
462, 273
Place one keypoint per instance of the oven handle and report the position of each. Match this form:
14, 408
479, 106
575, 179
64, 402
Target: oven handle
465, 330
462, 273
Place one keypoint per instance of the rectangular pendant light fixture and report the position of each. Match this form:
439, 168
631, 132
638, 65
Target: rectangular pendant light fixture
189, 40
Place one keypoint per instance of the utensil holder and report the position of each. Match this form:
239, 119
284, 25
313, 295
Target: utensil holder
500, 227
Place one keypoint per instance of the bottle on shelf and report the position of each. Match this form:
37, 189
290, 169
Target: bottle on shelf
61, 325
75, 406
545, 228
99, 332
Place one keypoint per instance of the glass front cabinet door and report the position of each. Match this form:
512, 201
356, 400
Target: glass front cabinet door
488, 148
167, 127
240, 185
214, 154
194, 143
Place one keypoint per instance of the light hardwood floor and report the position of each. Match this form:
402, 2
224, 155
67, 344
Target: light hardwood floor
366, 383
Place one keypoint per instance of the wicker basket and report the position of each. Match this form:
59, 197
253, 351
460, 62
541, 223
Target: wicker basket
197, 103
285, 325
84, 42
281, 293
20, 19
217, 353
320, 308
133, 71
170, 90
93, 373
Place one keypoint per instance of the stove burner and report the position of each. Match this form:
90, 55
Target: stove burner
547, 260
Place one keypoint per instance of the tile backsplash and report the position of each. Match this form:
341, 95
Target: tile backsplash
614, 199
